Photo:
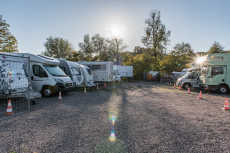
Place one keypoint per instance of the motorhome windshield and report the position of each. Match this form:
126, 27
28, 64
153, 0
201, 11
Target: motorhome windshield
76, 70
204, 71
54, 70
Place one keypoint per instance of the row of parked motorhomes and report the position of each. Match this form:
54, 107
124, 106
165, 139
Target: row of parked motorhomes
49, 75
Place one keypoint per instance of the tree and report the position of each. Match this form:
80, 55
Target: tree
156, 36
8, 43
183, 54
100, 47
116, 45
216, 48
86, 46
58, 48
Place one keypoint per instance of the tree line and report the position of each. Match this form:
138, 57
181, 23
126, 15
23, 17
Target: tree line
97, 48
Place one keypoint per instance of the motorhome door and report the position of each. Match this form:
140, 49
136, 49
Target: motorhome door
218, 75
38, 77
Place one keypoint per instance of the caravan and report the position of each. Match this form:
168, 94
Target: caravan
73, 70
46, 77
13, 78
102, 71
88, 80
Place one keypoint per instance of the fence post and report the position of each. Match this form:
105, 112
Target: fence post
28, 71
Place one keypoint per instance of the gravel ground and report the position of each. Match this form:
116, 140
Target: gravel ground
151, 117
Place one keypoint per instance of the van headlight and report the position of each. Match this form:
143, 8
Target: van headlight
58, 80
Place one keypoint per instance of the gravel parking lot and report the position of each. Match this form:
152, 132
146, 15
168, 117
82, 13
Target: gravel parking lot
151, 117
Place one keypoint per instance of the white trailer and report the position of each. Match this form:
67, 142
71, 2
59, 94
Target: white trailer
88, 80
13, 79
46, 77
124, 71
102, 71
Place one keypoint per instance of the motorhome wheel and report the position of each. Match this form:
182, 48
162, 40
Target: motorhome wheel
223, 89
46, 92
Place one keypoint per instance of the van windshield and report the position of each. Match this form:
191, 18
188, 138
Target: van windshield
54, 70
188, 73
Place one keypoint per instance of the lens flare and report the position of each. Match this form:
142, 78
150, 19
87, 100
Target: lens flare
112, 137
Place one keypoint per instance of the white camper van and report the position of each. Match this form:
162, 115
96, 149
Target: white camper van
88, 76
46, 77
13, 79
73, 70
124, 71
102, 71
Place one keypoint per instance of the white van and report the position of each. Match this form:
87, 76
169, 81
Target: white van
88, 76
102, 71
73, 70
46, 77
13, 79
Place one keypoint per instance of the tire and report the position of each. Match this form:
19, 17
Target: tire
223, 89
46, 92
186, 85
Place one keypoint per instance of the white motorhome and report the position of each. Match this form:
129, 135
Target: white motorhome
102, 71
73, 70
13, 79
87, 75
46, 77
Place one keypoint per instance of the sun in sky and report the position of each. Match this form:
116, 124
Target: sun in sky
115, 31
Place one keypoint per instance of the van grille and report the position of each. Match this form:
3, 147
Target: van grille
68, 84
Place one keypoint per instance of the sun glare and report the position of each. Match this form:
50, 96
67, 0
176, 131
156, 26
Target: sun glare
115, 31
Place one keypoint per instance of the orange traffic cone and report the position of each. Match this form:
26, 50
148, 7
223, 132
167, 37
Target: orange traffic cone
188, 89
174, 85
179, 88
9, 110
59, 96
200, 95
226, 105
85, 90
105, 84
97, 87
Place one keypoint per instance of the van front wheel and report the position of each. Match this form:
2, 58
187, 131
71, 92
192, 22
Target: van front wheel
223, 89
46, 92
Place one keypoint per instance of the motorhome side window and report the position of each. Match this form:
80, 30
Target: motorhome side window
39, 71
217, 70
96, 67
89, 71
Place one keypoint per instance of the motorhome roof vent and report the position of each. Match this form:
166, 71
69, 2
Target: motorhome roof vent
49, 58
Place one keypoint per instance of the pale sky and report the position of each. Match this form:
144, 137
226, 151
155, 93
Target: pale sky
198, 22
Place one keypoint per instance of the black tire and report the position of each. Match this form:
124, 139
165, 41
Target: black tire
46, 92
223, 89
186, 85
